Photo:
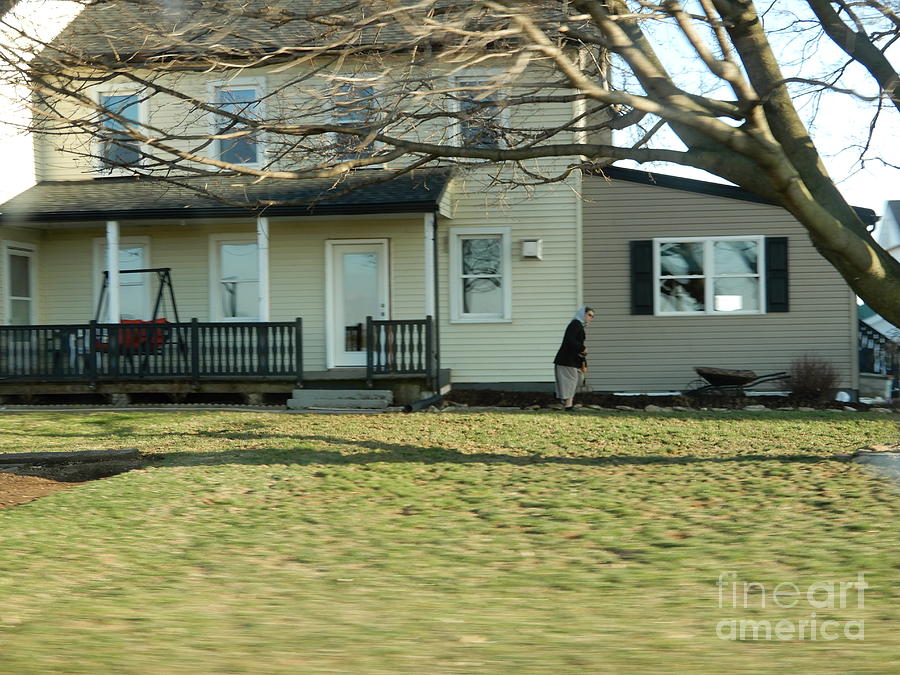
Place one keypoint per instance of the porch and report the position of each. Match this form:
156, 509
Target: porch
249, 359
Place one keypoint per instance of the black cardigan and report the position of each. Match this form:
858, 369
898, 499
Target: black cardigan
571, 352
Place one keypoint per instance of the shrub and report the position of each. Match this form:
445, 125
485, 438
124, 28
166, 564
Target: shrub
813, 379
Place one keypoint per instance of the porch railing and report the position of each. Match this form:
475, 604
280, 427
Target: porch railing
152, 350
878, 354
402, 347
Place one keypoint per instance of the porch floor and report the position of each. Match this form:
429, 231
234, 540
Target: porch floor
406, 386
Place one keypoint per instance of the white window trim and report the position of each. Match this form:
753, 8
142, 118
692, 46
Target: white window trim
99, 265
365, 78
215, 307
31, 251
456, 234
480, 76
709, 300
143, 118
259, 85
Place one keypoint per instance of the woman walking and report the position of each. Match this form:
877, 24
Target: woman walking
570, 362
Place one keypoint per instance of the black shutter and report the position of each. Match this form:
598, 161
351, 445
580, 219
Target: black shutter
642, 277
776, 274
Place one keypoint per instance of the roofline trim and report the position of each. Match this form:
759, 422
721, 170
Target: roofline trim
647, 177
427, 206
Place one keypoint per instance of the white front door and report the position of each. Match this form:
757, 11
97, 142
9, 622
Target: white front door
358, 287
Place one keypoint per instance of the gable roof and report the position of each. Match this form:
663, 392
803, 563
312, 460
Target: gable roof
184, 30
868, 216
361, 192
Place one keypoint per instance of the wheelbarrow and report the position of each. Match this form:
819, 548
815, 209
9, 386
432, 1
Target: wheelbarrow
725, 382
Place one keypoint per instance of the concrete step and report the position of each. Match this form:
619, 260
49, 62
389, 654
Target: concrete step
356, 399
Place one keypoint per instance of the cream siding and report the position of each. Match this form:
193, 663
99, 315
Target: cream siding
544, 292
297, 269
66, 157
635, 353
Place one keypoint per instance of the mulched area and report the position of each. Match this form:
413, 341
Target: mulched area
525, 399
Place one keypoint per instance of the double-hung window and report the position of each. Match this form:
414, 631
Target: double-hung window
240, 103
480, 117
134, 289
356, 106
235, 274
713, 275
20, 278
480, 283
121, 118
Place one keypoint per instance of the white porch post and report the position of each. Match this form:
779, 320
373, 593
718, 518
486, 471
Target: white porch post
262, 246
429, 264
112, 266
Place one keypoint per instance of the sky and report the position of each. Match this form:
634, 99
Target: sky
839, 125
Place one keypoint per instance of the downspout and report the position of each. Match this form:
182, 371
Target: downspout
435, 398
437, 304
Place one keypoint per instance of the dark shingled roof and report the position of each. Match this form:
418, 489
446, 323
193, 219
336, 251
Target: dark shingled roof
361, 192
162, 29
868, 216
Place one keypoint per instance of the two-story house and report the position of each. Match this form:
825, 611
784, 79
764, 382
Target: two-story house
415, 274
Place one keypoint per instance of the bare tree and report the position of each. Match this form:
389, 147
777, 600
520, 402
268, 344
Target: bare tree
718, 85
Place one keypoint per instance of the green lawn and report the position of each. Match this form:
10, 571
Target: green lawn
542, 543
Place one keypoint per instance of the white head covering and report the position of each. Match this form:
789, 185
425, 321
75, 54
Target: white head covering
580, 314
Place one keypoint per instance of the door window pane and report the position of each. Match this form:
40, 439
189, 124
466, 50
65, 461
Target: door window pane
359, 279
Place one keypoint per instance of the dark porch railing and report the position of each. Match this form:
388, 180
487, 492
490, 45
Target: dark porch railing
154, 350
402, 347
878, 354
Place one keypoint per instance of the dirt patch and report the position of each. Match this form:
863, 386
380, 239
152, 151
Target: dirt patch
26, 476
16, 489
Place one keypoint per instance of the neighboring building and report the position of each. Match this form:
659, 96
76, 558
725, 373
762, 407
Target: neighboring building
887, 234
465, 285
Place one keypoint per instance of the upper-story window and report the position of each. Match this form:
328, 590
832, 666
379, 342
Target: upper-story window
356, 106
235, 143
481, 117
122, 116
716, 275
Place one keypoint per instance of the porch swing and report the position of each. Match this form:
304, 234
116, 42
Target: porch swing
140, 336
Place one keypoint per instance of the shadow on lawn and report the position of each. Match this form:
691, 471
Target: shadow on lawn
371, 452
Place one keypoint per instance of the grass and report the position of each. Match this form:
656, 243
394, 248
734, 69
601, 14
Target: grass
456, 543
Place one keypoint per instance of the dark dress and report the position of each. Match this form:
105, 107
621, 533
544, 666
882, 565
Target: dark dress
571, 352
